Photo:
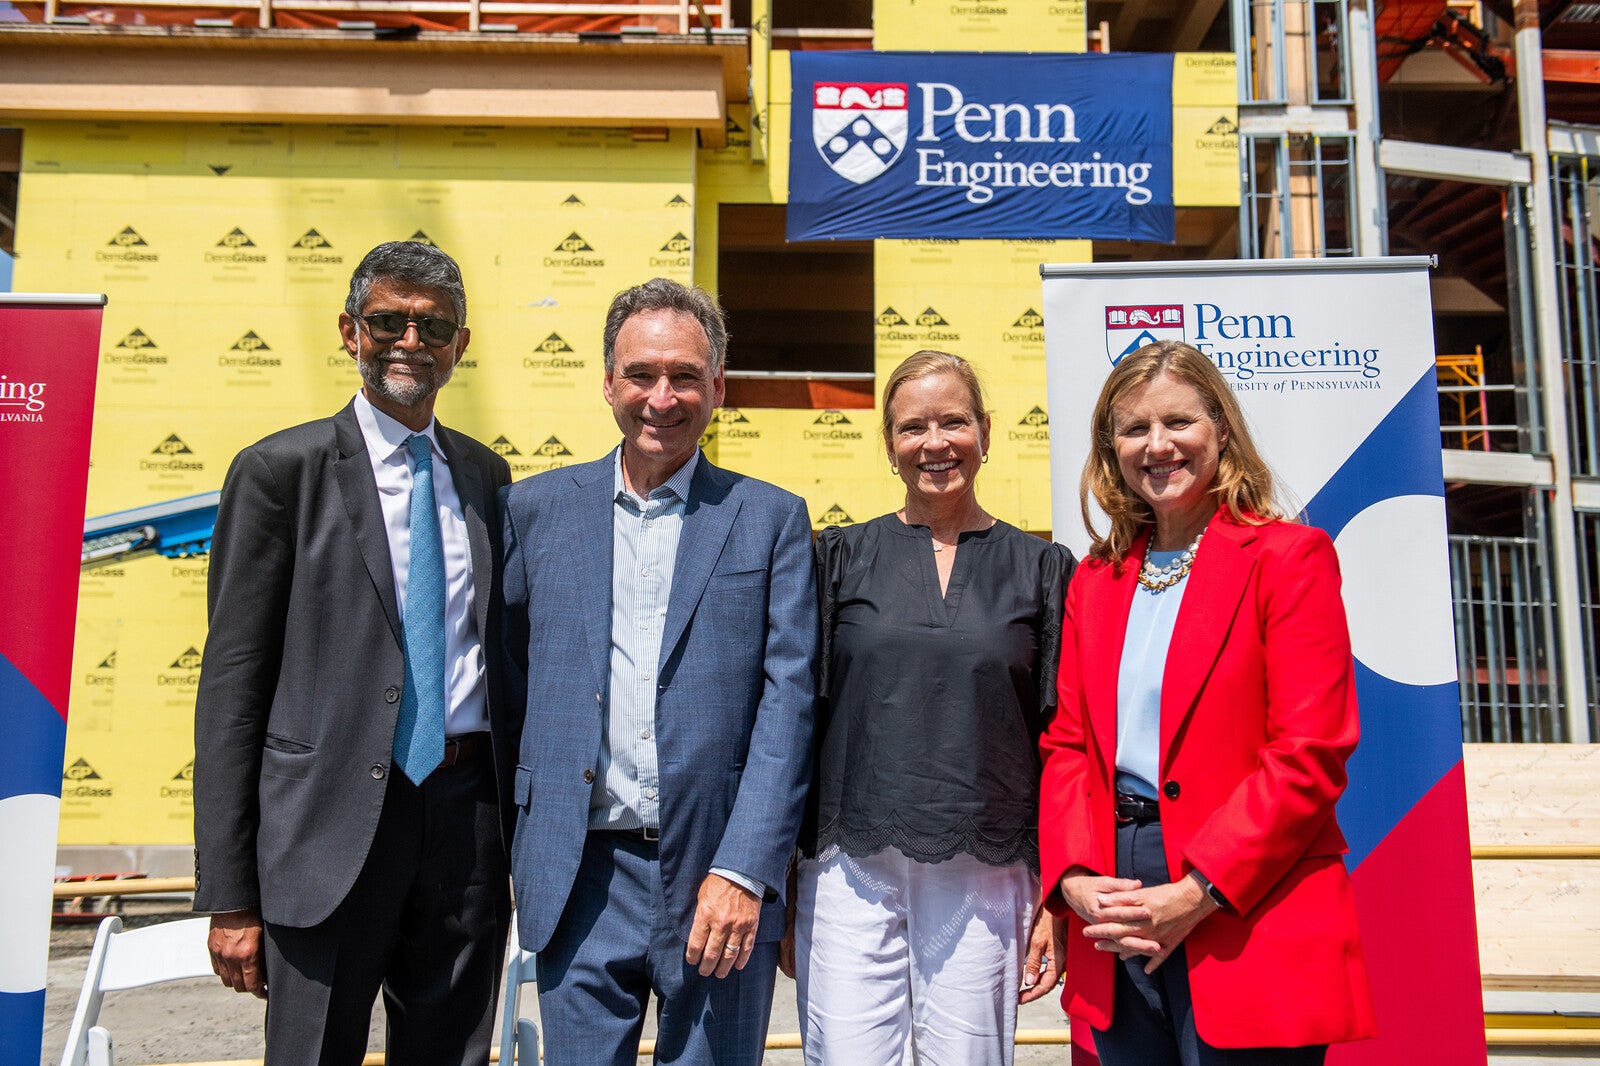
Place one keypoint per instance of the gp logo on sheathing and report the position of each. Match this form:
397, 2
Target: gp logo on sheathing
859, 128
1129, 328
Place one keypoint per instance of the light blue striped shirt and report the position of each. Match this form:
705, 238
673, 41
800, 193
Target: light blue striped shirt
644, 551
1144, 660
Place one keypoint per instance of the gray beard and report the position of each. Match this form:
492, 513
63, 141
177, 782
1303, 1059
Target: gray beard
407, 392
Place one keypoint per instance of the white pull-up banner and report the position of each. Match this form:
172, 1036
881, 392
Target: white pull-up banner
1333, 363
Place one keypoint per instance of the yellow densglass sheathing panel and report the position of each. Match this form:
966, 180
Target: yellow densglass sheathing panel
226, 252
980, 300
980, 25
1205, 130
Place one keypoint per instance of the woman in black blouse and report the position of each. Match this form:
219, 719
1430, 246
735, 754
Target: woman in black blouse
917, 925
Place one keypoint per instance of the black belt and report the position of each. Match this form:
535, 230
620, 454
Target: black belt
1136, 810
465, 748
647, 833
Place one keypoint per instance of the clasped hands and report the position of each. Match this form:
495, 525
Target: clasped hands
1125, 917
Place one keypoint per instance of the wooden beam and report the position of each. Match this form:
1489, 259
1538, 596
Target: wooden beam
329, 76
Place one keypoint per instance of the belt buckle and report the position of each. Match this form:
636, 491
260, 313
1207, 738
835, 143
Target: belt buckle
650, 834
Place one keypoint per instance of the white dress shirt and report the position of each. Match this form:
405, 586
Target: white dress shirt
466, 690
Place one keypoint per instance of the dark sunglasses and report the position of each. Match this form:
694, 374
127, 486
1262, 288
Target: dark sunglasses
386, 327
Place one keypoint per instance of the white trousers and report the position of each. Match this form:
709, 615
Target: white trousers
900, 961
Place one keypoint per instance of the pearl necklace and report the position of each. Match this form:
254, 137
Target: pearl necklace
1159, 579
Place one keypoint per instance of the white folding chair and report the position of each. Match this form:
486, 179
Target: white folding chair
519, 1036
129, 959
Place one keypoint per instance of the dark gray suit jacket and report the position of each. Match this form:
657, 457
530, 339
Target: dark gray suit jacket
300, 686
736, 697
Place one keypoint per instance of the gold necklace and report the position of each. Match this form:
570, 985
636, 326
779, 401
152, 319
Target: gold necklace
1159, 579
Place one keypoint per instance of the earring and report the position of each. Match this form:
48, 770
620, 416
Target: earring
985, 457
895, 470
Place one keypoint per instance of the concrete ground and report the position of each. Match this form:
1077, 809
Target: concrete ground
199, 1021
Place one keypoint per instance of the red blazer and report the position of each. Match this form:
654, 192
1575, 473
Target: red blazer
1258, 715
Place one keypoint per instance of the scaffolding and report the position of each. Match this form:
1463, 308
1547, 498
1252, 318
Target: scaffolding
1313, 162
1463, 387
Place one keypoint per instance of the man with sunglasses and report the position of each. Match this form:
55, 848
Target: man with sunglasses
350, 740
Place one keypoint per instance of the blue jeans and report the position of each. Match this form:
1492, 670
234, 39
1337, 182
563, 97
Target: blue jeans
1152, 1023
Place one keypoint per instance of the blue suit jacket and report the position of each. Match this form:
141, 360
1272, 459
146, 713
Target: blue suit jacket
735, 700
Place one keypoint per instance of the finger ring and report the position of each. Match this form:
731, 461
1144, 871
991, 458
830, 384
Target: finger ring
730, 952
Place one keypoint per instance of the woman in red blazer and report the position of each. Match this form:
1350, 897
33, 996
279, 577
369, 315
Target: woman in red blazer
1207, 707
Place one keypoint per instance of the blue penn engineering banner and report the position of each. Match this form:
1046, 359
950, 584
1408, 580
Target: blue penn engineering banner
904, 145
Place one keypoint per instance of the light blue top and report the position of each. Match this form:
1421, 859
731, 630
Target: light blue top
1144, 660
644, 551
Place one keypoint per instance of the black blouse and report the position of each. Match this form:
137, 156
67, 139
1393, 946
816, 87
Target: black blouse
934, 705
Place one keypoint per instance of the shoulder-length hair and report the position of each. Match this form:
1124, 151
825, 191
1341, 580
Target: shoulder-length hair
1243, 484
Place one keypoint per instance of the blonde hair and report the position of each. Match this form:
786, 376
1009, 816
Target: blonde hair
924, 364
1243, 484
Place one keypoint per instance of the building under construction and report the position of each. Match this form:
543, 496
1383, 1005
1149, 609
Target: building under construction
217, 168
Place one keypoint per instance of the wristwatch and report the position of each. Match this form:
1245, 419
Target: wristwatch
1213, 891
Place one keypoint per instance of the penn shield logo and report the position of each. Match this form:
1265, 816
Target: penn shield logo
573, 243
136, 340
250, 342
172, 445
235, 239
573, 201
311, 241
930, 318
890, 317
1029, 319
831, 418
835, 516
188, 659
1223, 127
859, 128
420, 237
1130, 327
677, 243
80, 770
128, 238
503, 447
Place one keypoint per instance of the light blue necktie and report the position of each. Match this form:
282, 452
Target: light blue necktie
419, 732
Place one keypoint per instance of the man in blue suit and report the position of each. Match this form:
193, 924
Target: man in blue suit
661, 623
